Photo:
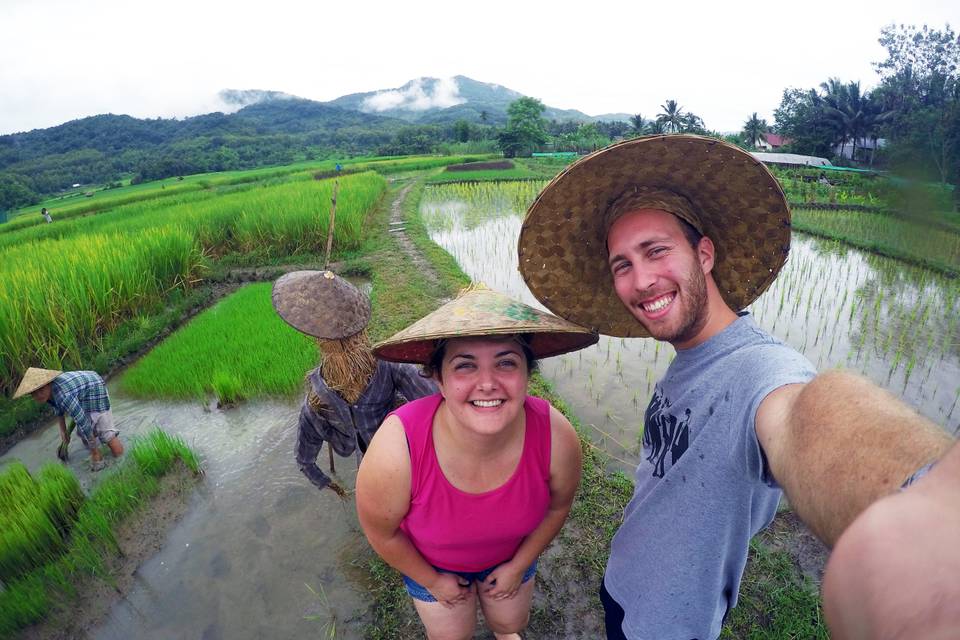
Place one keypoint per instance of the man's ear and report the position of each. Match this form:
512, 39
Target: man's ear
706, 254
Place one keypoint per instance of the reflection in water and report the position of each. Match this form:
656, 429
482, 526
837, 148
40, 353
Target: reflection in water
840, 307
255, 534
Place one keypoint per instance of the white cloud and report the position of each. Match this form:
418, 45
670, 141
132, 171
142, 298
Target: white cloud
442, 94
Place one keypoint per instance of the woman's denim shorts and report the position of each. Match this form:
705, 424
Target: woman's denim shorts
419, 592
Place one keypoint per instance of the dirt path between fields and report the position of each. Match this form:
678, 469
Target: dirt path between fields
398, 231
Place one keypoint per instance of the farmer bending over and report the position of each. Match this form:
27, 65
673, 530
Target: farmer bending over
83, 396
351, 392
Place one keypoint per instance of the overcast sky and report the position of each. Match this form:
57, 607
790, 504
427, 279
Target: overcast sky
67, 59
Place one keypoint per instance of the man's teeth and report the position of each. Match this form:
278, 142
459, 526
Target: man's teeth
487, 403
657, 304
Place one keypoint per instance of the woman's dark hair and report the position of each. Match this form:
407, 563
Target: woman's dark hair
432, 366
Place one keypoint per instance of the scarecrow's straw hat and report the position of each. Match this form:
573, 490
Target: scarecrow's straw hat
321, 304
33, 379
478, 311
723, 191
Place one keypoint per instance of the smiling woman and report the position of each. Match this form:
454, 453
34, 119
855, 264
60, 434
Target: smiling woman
461, 491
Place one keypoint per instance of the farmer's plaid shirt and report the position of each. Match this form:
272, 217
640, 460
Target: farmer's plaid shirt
77, 393
342, 424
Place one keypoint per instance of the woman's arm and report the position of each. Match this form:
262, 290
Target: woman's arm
565, 467
383, 499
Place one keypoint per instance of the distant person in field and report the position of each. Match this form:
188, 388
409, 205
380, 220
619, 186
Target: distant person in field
46, 215
351, 392
672, 237
83, 396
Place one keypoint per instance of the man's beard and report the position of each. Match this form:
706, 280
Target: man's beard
692, 297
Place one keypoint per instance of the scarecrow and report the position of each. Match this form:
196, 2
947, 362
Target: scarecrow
351, 392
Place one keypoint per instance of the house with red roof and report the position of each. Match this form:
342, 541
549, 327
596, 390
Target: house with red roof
772, 141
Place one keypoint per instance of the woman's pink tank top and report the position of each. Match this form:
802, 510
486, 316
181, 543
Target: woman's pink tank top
461, 531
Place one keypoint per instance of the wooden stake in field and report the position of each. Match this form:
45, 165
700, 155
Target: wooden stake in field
333, 216
326, 263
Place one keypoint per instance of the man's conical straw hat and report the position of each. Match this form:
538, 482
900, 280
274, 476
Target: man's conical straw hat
481, 312
33, 379
321, 304
729, 196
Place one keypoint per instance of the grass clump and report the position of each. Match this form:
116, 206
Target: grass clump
237, 349
80, 548
37, 514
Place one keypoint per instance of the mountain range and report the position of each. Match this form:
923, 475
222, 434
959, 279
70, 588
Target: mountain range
254, 128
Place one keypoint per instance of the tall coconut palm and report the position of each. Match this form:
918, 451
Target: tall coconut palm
672, 116
753, 129
638, 124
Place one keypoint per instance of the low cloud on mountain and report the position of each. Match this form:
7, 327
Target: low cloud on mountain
413, 96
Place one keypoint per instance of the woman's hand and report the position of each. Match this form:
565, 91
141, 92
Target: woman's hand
504, 581
449, 589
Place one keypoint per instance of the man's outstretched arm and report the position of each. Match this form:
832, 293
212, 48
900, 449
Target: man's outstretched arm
895, 572
839, 443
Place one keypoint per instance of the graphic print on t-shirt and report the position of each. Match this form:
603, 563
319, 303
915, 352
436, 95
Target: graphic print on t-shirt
663, 432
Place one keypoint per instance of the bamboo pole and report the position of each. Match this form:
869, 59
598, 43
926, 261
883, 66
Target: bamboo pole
326, 263
333, 216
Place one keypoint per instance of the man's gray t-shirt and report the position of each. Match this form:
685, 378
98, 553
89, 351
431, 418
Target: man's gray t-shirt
702, 486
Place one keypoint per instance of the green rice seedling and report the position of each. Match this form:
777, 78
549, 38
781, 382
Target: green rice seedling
157, 452
37, 514
22, 603
59, 495
26, 597
239, 347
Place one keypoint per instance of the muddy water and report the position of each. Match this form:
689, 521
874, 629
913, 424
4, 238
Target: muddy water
838, 306
255, 533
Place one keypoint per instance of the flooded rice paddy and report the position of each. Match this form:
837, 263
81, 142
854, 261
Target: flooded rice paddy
255, 534
840, 307
261, 553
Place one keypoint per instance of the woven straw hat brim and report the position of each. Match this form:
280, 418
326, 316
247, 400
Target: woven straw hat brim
481, 313
320, 304
741, 206
33, 379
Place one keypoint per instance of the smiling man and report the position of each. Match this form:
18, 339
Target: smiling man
672, 237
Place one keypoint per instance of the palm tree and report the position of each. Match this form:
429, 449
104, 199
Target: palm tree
638, 124
753, 129
672, 116
835, 104
692, 123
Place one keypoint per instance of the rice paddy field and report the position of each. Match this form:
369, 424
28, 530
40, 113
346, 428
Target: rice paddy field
237, 349
262, 553
60, 295
54, 535
839, 306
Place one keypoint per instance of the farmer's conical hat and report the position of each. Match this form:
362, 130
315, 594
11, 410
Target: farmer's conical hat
33, 379
321, 304
478, 311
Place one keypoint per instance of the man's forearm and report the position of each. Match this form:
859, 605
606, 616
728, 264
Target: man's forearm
848, 443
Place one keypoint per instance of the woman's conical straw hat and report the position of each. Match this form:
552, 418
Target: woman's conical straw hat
481, 312
727, 194
33, 379
321, 304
